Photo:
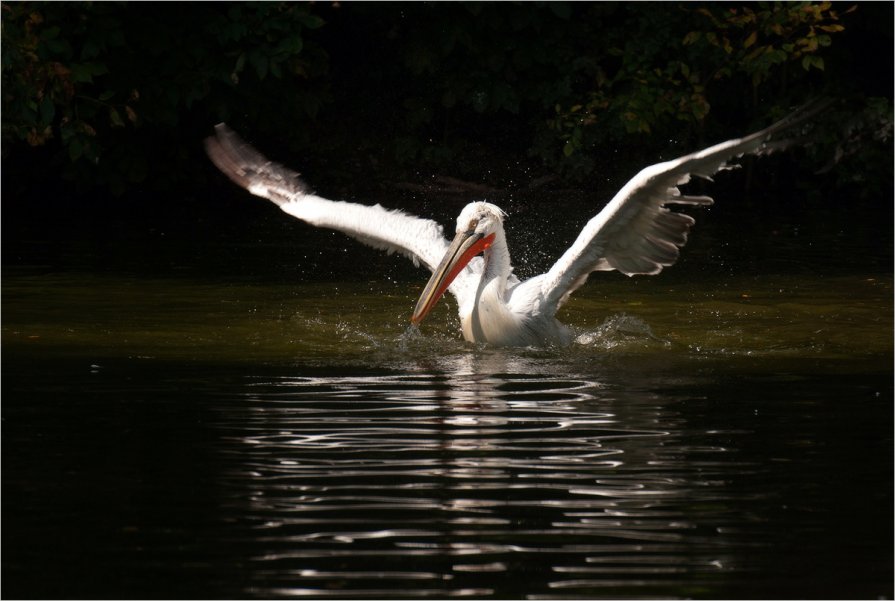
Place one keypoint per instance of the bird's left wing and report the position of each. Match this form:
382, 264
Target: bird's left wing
636, 233
422, 240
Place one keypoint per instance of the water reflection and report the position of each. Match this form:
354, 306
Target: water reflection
738, 458
482, 478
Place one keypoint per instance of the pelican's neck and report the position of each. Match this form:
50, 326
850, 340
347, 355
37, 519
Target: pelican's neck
487, 318
497, 263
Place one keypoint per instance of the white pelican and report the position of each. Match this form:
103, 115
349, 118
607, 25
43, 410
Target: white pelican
635, 233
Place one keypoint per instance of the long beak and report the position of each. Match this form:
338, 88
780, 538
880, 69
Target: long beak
465, 246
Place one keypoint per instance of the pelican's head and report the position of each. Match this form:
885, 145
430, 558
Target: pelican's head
480, 217
477, 226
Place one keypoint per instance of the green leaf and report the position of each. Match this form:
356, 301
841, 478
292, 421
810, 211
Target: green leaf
311, 21
47, 110
777, 56
291, 45
810, 60
751, 39
75, 149
50, 33
115, 117
84, 72
817, 62
58, 47
259, 62
66, 132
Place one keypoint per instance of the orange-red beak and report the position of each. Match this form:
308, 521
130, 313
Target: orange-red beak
465, 246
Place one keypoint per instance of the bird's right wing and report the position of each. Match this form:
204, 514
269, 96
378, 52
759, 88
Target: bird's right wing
636, 233
422, 240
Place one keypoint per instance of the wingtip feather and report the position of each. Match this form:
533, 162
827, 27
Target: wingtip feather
250, 169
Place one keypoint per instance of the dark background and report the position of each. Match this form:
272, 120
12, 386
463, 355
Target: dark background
105, 106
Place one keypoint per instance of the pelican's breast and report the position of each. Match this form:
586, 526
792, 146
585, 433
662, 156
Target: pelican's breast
489, 319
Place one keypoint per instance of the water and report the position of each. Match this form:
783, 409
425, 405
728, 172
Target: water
167, 438
224, 432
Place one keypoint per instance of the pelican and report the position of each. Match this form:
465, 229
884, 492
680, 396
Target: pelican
635, 234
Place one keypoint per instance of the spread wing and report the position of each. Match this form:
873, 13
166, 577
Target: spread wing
636, 233
422, 240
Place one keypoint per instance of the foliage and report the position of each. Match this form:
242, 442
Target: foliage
575, 78
91, 77
757, 40
484, 59
118, 93
674, 75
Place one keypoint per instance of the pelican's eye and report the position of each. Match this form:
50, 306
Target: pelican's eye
473, 223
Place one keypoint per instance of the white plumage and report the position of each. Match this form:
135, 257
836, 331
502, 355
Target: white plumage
635, 233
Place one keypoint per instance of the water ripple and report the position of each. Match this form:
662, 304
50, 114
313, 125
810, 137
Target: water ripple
362, 486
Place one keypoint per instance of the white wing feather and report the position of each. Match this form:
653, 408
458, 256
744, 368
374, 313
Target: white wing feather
422, 240
636, 233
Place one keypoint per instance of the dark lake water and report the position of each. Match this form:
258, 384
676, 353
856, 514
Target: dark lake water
241, 418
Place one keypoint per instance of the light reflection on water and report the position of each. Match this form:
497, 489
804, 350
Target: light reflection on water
369, 486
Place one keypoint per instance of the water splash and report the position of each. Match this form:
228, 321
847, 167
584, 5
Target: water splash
620, 330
